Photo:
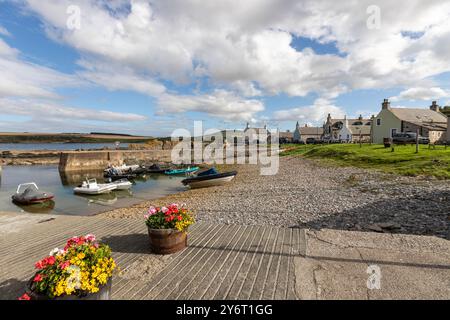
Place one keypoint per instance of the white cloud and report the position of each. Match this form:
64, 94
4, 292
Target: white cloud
421, 94
243, 48
115, 77
4, 32
239, 43
45, 110
220, 103
315, 113
25, 79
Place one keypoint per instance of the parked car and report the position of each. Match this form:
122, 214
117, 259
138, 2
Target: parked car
313, 141
408, 137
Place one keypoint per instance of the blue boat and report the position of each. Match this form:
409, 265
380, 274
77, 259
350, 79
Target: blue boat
182, 171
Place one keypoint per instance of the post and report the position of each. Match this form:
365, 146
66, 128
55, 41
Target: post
417, 140
360, 141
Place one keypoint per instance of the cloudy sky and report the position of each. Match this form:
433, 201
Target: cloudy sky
149, 67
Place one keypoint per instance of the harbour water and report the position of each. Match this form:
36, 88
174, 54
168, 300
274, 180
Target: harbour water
48, 178
58, 146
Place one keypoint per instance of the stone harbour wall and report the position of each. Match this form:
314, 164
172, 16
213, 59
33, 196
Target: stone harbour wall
95, 160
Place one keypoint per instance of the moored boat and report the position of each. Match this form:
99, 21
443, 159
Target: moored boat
156, 169
209, 178
31, 194
182, 171
123, 184
91, 187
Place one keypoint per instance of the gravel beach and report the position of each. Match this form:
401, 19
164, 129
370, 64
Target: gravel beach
308, 194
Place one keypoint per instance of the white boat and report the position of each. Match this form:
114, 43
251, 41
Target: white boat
123, 184
122, 169
91, 187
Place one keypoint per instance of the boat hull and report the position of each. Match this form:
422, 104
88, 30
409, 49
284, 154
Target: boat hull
32, 201
95, 191
209, 181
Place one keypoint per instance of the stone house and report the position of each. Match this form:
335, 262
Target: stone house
431, 123
347, 130
303, 133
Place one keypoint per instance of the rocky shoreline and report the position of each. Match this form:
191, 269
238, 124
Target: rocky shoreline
307, 194
10, 158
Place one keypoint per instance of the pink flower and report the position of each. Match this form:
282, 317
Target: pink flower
37, 278
164, 209
146, 216
152, 210
90, 238
25, 297
64, 265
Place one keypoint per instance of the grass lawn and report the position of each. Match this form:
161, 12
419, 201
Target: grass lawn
404, 160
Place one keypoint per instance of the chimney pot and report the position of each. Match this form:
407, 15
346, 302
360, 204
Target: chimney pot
434, 106
386, 105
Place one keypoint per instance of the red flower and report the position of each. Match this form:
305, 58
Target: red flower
64, 265
37, 278
25, 297
51, 260
180, 218
39, 265
167, 219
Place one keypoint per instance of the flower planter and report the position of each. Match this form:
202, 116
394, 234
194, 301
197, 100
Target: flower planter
103, 294
166, 241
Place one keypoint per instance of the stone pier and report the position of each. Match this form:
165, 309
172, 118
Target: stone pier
95, 160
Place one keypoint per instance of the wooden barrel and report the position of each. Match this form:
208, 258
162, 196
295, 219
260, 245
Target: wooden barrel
166, 241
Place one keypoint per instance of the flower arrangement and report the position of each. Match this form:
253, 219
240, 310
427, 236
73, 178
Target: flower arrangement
173, 216
82, 267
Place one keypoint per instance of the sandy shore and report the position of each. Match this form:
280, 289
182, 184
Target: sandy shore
310, 195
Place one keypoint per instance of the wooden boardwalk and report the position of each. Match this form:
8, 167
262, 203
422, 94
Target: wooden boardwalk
221, 262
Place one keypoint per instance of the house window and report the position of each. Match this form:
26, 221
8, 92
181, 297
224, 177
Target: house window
378, 122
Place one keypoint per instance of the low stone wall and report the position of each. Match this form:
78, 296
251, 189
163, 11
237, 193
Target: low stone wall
95, 160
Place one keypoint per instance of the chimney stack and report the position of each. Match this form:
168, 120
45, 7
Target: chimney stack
434, 106
386, 105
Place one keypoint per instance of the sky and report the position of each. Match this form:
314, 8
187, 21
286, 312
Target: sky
150, 67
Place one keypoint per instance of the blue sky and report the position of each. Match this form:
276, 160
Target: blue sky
149, 68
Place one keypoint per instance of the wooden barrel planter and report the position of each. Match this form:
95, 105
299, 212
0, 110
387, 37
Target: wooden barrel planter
167, 241
103, 294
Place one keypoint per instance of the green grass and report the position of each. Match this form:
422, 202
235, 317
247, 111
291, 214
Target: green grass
404, 160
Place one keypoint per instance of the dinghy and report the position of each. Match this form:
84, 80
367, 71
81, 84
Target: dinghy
181, 171
209, 178
156, 169
122, 184
91, 187
31, 194
115, 177
123, 168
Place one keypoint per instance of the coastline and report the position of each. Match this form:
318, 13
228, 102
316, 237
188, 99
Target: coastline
308, 194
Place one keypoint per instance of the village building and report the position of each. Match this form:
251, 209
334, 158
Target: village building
347, 130
286, 137
303, 133
431, 123
256, 134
